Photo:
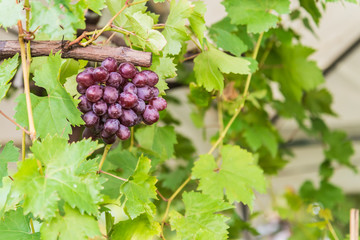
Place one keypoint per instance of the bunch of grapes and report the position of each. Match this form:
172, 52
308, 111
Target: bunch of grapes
114, 98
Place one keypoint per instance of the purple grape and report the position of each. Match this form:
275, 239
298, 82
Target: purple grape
89, 70
140, 107
111, 94
155, 92
111, 126
84, 104
110, 64
127, 70
85, 79
99, 108
158, 103
90, 119
128, 118
150, 115
114, 110
105, 134
94, 93
152, 78
128, 100
140, 79
145, 93
100, 74
98, 127
81, 88
109, 140
123, 133
115, 80
104, 118
88, 133
130, 87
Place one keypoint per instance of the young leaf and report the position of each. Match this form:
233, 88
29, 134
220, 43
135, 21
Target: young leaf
160, 140
339, 147
175, 29
197, 21
55, 113
15, 225
7, 72
210, 65
10, 153
238, 175
257, 136
62, 178
73, 225
257, 15
10, 13
143, 227
139, 189
145, 36
200, 220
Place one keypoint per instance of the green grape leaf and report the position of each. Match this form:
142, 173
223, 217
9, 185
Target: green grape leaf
257, 136
210, 65
143, 227
200, 220
238, 175
318, 101
55, 113
311, 7
10, 153
9, 199
328, 194
199, 96
139, 189
62, 178
257, 15
72, 225
62, 18
160, 140
339, 147
96, 5
145, 36
15, 225
228, 41
165, 68
114, 7
175, 26
197, 20
7, 71
297, 74
10, 13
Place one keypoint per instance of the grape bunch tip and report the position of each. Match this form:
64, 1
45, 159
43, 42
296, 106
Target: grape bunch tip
115, 97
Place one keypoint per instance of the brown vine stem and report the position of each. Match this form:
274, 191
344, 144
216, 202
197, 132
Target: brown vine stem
13, 121
108, 24
106, 150
114, 176
244, 96
162, 196
221, 137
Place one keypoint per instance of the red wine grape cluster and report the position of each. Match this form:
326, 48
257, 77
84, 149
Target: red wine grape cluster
115, 98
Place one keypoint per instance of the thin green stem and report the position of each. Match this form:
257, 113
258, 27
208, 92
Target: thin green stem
26, 74
220, 117
171, 199
112, 175
27, 9
131, 138
244, 96
332, 230
106, 150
